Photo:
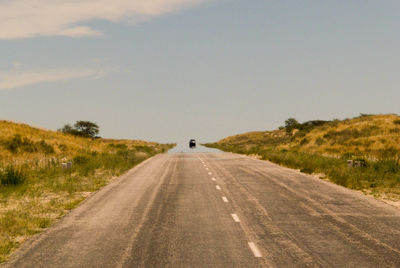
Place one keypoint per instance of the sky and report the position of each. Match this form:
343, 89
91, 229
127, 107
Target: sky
172, 70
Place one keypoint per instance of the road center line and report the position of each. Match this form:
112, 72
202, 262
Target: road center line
213, 179
218, 188
235, 217
255, 250
209, 173
225, 199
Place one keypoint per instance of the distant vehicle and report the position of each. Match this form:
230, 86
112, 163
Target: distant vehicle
192, 143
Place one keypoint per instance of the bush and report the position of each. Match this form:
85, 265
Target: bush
118, 146
307, 170
304, 141
319, 141
42, 146
12, 176
81, 160
290, 125
18, 144
63, 147
396, 122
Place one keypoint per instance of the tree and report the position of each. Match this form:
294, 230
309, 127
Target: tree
85, 129
291, 124
68, 129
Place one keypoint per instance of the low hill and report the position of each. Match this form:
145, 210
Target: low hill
370, 136
371, 142
44, 173
23, 143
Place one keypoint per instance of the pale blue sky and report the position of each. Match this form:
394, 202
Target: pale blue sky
181, 69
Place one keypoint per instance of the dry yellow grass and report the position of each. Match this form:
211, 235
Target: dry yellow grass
372, 141
368, 136
65, 146
47, 191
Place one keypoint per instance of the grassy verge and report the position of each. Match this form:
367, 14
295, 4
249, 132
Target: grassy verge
35, 193
378, 177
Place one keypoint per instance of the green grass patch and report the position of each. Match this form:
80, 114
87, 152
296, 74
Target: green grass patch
12, 175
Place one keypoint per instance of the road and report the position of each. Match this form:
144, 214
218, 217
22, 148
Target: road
219, 210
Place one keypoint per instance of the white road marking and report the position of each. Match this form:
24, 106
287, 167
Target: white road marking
218, 188
225, 199
255, 250
213, 179
206, 168
209, 173
235, 217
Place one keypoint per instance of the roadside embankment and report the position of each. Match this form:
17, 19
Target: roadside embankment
44, 174
362, 153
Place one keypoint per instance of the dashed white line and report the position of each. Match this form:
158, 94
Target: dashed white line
209, 173
218, 188
255, 250
213, 179
235, 217
225, 199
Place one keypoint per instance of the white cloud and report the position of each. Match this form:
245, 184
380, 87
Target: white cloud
17, 64
30, 18
16, 79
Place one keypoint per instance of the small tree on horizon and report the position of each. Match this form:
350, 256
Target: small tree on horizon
85, 129
291, 124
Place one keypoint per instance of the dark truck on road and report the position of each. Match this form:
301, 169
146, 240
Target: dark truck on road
192, 143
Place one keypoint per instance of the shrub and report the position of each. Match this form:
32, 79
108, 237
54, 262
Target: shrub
396, 122
63, 147
81, 159
360, 162
290, 125
307, 170
394, 130
319, 141
44, 147
12, 176
365, 115
304, 141
118, 146
18, 144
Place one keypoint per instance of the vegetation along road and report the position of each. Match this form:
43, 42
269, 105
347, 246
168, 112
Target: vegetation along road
219, 210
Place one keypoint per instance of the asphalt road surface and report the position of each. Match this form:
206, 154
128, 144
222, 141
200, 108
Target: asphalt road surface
219, 210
